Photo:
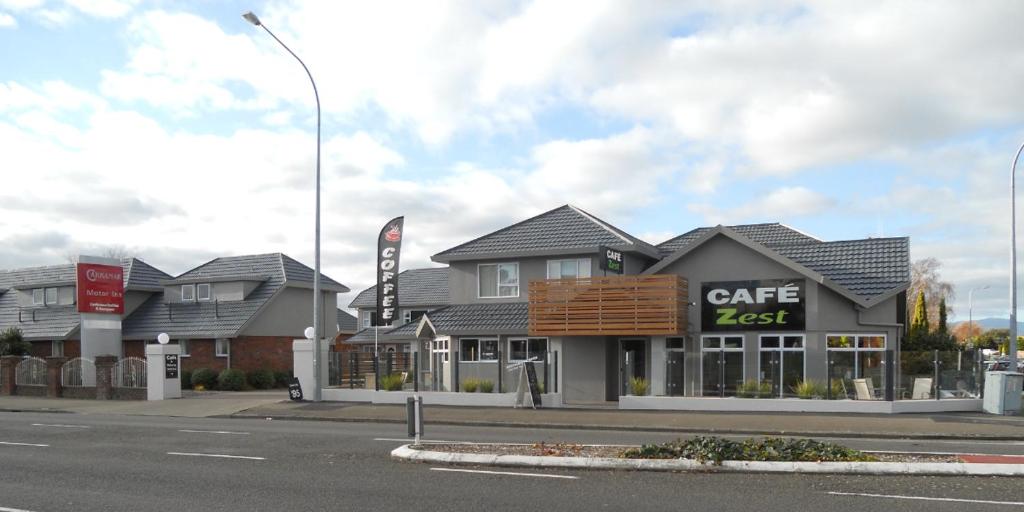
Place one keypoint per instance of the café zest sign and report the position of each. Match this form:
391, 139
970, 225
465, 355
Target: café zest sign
610, 259
763, 305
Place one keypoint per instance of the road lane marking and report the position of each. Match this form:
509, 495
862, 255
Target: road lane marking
927, 498
24, 444
5, 509
214, 432
217, 455
57, 425
537, 475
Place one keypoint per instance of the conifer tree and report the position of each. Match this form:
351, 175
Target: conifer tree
919, 322
943, 329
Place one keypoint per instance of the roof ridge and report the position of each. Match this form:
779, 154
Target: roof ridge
501, 230
42, 267
607, 227
284, 273
802, 232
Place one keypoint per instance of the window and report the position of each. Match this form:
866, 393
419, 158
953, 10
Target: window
188, 292
521, 349
440, 347
37, 297
721, 365
57, 348
51, 296
412, 314
564, 269
203, 291
781, 363
183, 344
478, 350
856, 356
223, 347
498, 280
369, 318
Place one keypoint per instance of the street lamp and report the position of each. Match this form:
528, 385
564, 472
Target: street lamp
317, 334
1013, 261
970, 310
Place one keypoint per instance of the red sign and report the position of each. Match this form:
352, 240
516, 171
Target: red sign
100, 288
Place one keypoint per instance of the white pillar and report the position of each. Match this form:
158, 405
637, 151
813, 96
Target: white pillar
657, 372
163, 372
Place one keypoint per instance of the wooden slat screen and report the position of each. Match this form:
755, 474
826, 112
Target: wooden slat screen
614, 305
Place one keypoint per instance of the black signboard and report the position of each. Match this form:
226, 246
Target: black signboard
170, 366
295, 390
763, 305
389, 248
531, 378
610, 260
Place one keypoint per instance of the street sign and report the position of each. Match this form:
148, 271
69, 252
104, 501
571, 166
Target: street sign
295, 390
170, 366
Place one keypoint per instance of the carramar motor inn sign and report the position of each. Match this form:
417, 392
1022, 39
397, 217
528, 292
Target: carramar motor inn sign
100, 288
763, 305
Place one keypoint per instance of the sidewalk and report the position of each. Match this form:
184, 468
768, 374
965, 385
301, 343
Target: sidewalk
192, 405
920, 426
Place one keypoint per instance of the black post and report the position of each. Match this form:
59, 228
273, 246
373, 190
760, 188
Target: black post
391, 362
501, 370
547, 380
416, 372
556, 372
890, 375
352, 370
376, 372
935, 377
455, 363
828, 376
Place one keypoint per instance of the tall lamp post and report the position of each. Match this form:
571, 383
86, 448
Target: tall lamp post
970, 310
1013, 261
317, 334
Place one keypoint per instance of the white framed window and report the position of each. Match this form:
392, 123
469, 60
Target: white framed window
409, 315
478, 350
856, 356
223, 347
440, 347
57, 348
203, 291
183, 344
369, 318
37, 297
722, 364
497, 280
781, 362
566, 269
188, 292
51, 296
522, 349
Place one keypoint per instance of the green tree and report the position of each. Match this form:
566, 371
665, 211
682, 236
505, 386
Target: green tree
12, 343
943, 328
919, 322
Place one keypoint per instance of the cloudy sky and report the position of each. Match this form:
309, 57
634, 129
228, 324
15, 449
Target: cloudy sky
179, 132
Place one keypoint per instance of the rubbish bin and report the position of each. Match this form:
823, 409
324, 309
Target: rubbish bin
1002, 392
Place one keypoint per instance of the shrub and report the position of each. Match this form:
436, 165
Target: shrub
470, 385
392, 382
747, 389
12, 343
282, 379
638, 386
809, 389
838, 389
186, 379
262, 379
486, 386
716, 450
203, 378
764, 390
231, 379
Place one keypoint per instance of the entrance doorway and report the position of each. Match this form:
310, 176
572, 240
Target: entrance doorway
632, 362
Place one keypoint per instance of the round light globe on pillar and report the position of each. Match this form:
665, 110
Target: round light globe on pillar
163, 338
309, 333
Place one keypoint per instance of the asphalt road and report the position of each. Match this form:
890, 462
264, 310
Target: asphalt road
92, 462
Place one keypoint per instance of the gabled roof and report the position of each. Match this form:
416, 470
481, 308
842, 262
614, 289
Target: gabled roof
564, 230
347, 323
864, 271
220, 319
416, 287
770, 234
499, 318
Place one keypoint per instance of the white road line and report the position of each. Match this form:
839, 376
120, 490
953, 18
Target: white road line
214, 432
59, 425
538, 475
217, 455
926, 498
5, 509
24, 444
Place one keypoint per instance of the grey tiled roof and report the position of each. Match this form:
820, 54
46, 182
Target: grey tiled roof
405, 332
143, 276
223, 319
865, 267
347, 322
770, 234
416, 287
561, 229
502, 318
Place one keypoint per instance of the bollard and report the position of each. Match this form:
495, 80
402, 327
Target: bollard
414, 417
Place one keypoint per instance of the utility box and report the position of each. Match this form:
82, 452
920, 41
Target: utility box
1002, 392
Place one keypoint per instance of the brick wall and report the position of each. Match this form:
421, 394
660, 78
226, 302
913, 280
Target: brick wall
72, 349
201, 355
250, 353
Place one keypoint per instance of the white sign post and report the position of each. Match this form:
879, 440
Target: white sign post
163, 370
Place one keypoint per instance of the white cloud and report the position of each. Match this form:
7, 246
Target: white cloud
7, 21
781, 203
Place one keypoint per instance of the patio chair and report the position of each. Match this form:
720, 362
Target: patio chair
865, 390
922, 389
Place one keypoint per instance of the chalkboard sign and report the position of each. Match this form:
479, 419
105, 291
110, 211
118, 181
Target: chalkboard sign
170, 366
295, 390
531, 378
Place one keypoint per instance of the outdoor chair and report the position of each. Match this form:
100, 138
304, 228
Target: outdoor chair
865, 390
922, 389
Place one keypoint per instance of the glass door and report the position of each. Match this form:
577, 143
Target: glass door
633, 359
722, 365
675, 367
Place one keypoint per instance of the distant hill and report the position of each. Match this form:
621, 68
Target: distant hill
994, 323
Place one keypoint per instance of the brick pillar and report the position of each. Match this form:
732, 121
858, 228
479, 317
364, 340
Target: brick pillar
53, 384
7, 363
104, 378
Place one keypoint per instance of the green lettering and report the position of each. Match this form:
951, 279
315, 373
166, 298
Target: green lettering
765, 318
747, 318
779, 317
726, 316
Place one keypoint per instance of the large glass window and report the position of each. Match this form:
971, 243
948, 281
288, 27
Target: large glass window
476, 350
498, 280
722, 365
203, 291
565, 269
781, 363
369, 318
37, 297
855, 356
188, 292
57, 348
521, 349
223, 347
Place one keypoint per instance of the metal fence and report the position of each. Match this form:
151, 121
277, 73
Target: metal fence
129, 372
360, 370
30, 372
77, 373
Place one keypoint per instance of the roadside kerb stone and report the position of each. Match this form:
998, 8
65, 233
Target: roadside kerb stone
405, 452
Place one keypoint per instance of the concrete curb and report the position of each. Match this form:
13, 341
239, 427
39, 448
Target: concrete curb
631, 428
405, 452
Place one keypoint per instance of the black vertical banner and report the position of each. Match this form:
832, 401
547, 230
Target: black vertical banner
389, 247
